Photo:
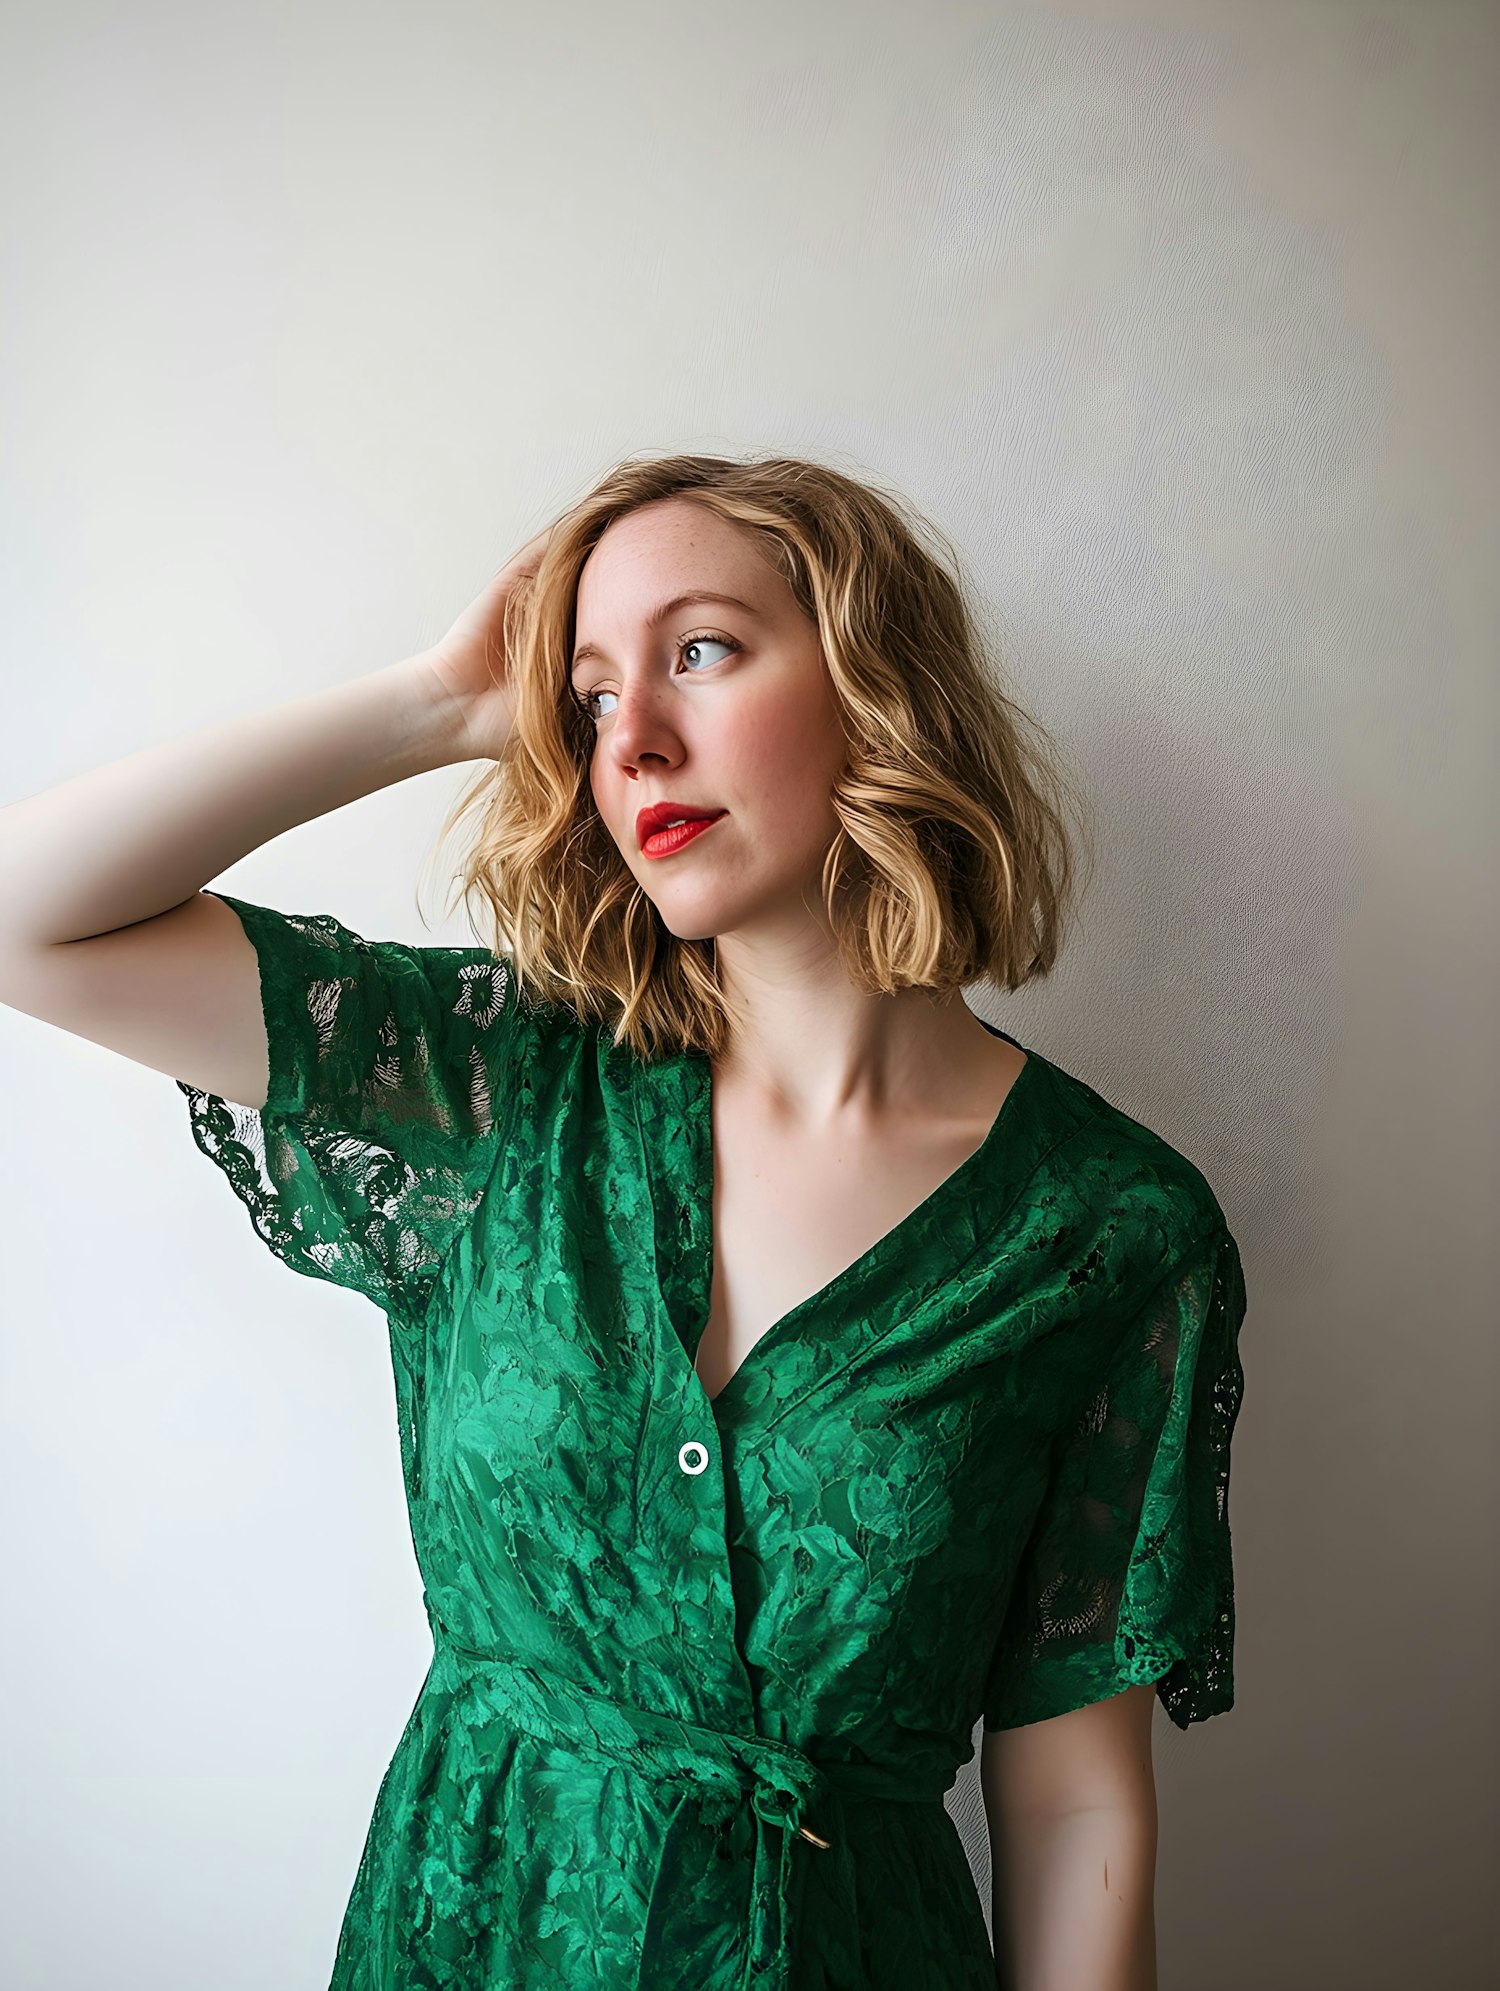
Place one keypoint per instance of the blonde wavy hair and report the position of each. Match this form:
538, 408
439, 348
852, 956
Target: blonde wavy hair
952, 862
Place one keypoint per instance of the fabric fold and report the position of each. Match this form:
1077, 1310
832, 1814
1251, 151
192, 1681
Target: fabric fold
796, 1802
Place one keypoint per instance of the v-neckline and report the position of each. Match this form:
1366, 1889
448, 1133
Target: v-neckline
763, 1349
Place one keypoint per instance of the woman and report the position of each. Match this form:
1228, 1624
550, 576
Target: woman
793, 1370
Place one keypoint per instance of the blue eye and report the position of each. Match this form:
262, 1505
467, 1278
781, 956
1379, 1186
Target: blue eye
697, 642
587, 701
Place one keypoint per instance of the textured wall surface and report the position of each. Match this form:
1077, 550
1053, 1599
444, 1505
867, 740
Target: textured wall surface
1179, 318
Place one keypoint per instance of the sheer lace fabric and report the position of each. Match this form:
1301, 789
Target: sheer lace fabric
703, 1671
369, 1155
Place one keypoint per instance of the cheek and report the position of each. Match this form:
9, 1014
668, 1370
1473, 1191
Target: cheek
608, 809
783, 761
782, 742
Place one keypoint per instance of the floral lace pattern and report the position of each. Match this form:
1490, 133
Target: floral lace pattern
703, 1669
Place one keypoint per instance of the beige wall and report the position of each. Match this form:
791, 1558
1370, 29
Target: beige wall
1180, 319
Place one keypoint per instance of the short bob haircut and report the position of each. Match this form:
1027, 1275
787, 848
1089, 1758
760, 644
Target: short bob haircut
952, 862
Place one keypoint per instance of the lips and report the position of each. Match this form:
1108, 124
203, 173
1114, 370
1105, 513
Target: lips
665, 843
661, 815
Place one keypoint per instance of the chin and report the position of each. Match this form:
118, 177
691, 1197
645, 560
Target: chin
697, 920
688, 930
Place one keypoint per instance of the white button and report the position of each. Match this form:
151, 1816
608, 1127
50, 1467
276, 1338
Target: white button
687, 1460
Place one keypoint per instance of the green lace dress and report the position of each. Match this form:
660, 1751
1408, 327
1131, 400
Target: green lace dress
703, 1669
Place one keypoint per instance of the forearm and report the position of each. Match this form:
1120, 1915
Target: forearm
128, 840
1074, 1902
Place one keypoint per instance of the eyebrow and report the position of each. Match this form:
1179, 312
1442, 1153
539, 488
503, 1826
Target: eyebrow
660, 614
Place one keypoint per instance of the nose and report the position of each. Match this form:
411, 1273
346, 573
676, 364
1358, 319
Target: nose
641, 730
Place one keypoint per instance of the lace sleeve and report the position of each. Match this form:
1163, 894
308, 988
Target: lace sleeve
1128, 1574
387, 1065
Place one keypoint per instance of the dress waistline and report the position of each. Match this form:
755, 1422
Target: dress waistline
797, 1802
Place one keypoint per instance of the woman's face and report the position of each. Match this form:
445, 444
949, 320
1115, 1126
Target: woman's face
718, 704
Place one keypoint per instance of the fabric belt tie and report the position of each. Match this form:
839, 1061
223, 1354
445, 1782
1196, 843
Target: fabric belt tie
797, 1803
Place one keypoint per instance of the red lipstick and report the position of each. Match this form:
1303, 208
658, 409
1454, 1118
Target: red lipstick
666, 826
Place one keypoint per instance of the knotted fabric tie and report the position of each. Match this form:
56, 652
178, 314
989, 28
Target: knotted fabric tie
797, 1803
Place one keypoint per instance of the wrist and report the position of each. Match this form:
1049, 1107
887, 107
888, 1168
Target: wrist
434, 715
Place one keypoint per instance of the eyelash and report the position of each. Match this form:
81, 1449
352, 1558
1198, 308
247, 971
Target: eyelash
581, 698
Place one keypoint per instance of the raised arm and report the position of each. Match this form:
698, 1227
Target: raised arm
105, 929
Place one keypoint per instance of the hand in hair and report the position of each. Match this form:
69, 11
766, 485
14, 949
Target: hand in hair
470, 662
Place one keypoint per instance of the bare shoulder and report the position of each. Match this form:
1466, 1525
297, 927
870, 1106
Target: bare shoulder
1092, 1757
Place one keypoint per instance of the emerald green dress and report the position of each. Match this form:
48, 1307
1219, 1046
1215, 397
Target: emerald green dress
703, 1669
